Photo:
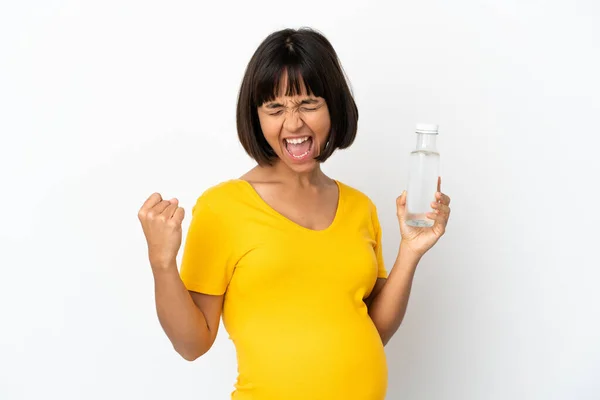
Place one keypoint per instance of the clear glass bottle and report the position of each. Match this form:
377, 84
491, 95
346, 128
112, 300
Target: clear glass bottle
423, 173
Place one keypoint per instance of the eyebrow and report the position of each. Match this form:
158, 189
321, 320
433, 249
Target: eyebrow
273, 105
303, 102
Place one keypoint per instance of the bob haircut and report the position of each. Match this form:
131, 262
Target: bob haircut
309, 61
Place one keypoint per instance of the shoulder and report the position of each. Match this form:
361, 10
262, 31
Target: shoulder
360, 206
222, 195
222, 190
355, 196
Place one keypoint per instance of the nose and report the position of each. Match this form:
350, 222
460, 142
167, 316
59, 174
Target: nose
292, 122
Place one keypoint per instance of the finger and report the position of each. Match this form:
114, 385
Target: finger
170, 210
439, 187
438, 218
442, 208
432, 216
179, 215
151, 201
160, 207
442, 198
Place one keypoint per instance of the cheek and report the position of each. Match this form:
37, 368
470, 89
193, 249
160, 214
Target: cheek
320, 125
270, 128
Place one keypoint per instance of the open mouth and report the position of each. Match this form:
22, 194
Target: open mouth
299, 148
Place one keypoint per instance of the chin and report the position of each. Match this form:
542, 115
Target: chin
304, 167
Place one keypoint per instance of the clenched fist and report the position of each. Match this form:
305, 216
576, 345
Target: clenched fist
161, 221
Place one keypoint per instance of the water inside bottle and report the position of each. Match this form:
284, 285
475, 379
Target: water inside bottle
422, 186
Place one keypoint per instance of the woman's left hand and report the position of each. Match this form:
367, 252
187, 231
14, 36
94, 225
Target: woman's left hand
420, 240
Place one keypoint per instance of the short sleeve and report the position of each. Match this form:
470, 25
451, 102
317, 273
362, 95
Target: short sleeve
208, 259
381, 271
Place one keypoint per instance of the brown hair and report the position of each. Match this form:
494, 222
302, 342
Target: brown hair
308, 58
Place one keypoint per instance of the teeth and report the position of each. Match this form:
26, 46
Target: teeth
297, 141
301, 155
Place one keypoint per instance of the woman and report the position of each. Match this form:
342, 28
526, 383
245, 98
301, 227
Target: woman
289, 256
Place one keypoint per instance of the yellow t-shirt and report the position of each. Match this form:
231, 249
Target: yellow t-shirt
293, 303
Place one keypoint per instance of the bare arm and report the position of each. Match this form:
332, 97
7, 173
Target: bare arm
389, 300
190, 320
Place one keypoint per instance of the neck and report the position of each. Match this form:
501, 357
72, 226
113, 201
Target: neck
426, 142
315, 177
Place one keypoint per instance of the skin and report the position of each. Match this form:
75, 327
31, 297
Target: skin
298, 190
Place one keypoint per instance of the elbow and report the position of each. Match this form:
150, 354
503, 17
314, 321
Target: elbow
386, 331
191, 354
385, 339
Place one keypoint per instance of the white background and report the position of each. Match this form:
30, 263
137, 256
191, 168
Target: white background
103, 103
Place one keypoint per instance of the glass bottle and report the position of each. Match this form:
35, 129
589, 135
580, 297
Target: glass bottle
423, 173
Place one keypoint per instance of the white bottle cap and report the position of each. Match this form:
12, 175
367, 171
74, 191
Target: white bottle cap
431, 129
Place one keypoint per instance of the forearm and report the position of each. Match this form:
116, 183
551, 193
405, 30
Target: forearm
183, 322
389, 306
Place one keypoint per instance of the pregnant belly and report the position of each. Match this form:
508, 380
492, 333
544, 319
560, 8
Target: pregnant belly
340, 359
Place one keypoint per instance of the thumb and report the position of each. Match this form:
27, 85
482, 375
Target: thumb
401, 206
401, 201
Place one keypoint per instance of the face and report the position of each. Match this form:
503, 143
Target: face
297, 128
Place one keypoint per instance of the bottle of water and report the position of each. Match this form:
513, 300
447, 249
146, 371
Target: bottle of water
423, 173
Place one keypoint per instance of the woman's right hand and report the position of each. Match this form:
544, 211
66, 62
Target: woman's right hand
161, 221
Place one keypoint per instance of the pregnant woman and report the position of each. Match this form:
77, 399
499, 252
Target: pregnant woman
289, 257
